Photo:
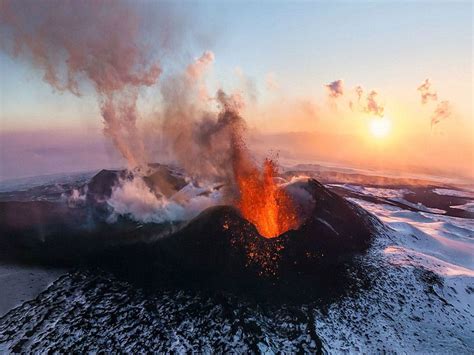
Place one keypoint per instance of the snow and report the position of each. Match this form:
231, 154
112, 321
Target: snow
467, 207
418, 299
418, 206
20, 284
422, 298
456, 193
374, 191
449, 239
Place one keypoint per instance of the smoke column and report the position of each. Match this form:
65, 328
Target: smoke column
199, 139
98, 41
102, 42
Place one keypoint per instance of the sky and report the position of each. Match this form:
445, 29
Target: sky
281, 54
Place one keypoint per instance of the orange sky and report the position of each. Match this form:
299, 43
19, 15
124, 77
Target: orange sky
281, 58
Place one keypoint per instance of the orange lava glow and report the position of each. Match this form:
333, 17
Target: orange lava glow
263, 202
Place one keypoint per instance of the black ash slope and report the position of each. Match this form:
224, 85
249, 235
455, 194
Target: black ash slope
218, 247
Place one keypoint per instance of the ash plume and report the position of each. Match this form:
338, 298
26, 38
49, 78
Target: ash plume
99, 42
199, 139
336, 88
427, 94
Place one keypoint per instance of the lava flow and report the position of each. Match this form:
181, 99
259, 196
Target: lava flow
263, 202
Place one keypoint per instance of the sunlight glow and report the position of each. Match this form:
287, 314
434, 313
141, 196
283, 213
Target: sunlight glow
380, 127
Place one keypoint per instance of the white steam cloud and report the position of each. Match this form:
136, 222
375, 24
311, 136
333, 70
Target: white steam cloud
135, 199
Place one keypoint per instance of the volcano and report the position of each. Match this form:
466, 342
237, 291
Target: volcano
217, 244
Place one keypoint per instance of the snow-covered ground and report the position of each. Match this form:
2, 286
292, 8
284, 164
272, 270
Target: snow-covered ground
417, 297
451, 192
19, 284
422, 299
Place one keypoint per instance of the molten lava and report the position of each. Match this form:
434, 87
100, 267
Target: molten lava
263, 202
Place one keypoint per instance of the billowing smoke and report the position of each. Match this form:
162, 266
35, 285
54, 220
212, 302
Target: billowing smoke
336, 88
208, 145
135, 199
442, 111
200, 139
196, 71
427, 94
102, 44
99, 41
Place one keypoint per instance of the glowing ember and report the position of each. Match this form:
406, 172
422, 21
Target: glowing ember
263, 202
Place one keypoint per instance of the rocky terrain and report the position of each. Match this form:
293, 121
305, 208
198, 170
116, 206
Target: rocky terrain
399, 278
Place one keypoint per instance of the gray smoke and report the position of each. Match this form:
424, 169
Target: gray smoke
102, 43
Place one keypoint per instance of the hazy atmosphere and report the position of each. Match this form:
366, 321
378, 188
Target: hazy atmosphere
280, 59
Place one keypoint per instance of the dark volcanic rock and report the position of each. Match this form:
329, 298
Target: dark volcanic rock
100, 186
219, 244
55, 234
221, 248
164, 181
221, 241
160, 179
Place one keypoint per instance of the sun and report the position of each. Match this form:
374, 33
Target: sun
380, 127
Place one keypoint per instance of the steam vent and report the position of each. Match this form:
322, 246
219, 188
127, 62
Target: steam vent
216, 244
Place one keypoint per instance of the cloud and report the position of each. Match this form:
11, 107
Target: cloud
368, 104
372, 105
427, 94
442, 112
336, 88
102, 43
